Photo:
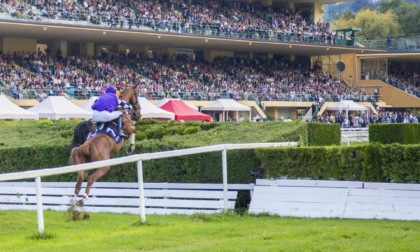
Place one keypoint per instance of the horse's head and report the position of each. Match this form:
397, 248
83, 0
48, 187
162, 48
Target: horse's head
130, 95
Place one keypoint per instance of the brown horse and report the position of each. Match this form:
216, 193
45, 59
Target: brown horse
101, 146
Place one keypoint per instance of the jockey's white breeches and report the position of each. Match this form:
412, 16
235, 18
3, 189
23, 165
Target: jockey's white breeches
105, 116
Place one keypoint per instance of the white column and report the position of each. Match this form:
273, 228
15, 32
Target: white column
39, 205
141, 190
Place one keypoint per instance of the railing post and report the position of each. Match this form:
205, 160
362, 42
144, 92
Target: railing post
39, 205
225, 180
347, 140
141, 190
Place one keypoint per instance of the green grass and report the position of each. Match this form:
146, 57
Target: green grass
221, 232
354, 144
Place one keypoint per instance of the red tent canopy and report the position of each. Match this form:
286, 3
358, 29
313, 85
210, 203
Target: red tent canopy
183, 112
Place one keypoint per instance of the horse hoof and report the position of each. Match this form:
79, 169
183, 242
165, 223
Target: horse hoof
80, 203
73, 212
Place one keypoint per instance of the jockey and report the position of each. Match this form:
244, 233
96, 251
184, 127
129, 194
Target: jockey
104, 109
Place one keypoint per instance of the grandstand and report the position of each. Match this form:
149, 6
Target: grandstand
279, 57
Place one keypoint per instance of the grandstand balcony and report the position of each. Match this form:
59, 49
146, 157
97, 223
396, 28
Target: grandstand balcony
410, 43
37, 15
84, 94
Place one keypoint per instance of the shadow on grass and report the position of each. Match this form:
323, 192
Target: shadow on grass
144, 224
42, 237
217, 217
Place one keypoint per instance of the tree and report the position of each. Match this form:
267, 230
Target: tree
409, 18
346, 15
408, 15
390, 5
375, 25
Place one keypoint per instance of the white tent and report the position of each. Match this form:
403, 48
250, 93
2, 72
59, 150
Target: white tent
226, 105
58, 107
148, 110
163, 101
348, 105
9, 110
87, 105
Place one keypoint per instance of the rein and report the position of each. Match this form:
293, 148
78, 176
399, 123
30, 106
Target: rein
136, 105
133, 118
132, 122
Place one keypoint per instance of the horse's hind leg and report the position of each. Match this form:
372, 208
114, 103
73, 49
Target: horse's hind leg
78, 157
80, 178
94, 177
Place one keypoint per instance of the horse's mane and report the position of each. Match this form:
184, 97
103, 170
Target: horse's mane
135, 104
80, 132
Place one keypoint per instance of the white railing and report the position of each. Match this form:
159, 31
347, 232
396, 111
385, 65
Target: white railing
354, 135
139, 158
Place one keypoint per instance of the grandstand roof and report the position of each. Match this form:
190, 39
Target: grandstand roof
45, 32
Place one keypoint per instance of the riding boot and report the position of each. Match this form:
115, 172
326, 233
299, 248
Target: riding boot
121, 131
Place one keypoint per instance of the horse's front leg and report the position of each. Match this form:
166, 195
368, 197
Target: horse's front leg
95, 177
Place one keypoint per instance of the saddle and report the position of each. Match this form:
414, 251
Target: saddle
108, 128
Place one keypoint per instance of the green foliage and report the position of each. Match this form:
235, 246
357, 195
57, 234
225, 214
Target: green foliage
191, 130
340, 163
407, 14
374, 24
27, 133
270, 117
320, 134
402, 163
403, 133
152, 129
372, 164
375, 162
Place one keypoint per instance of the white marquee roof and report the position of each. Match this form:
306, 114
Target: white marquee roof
226, 105
9, 110
347, 105
87, 105
58, 107
148, 110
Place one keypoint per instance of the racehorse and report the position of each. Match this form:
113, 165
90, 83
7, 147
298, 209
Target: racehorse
101, 146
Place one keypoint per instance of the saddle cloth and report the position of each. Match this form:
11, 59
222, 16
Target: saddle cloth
109, 128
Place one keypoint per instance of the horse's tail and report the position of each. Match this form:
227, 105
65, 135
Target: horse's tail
80, 155
80, 132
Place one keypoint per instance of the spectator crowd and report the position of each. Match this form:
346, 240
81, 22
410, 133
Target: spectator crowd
205, 17
176, 76
407, 81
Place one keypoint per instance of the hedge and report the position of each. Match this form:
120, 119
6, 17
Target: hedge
403, 133
322, 134
374, 162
